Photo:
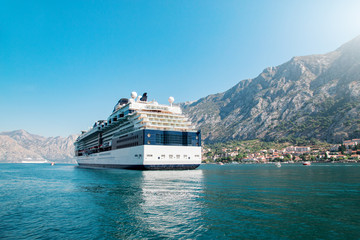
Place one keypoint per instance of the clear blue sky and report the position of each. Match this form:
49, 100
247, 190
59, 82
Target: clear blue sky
64, 64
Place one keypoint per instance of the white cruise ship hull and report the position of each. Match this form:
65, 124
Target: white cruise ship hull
152, 157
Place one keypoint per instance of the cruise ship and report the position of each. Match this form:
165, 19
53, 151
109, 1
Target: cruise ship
141, 134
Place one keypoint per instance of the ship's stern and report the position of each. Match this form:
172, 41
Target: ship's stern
171, 157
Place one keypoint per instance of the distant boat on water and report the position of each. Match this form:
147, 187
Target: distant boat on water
307, 163
278, 164
30, 160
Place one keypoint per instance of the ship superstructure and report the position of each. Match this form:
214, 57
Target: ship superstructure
141, 134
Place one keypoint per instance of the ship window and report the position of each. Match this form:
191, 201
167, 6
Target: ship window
148, 142
149, 135
197, 156
136, 155
162, 156
185, 156
149, 155
174, 139
171, 156
178, 156
158, 157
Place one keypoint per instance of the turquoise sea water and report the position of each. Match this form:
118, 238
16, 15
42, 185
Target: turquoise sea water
321, 201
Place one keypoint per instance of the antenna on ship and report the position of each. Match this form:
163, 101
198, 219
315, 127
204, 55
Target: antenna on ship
171, 100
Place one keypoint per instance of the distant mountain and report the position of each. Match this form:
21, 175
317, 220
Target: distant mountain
316, 96
19, 145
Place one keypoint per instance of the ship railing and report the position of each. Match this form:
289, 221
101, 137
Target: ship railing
178, 126
161, 113
169, 120
173, 123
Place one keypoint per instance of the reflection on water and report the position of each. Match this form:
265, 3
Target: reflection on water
169, 202
254, 201
230, 201
152, 204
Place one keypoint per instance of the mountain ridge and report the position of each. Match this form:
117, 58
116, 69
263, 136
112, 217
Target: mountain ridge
302, 97
18, 145
314, 96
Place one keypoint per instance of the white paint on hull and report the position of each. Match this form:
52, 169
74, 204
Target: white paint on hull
145, 155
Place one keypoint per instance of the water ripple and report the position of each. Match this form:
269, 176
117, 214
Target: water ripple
238, 201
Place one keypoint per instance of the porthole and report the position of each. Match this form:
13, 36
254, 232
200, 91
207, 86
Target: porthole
149, 135
148, 142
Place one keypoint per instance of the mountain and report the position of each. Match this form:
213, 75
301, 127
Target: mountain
19, 145
316, 96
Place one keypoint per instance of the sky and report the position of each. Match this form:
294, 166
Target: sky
64, 64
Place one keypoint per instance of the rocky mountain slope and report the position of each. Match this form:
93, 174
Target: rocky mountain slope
19, 145
315, 96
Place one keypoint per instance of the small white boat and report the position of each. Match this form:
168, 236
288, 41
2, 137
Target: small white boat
307, 163
30, 160
278, 164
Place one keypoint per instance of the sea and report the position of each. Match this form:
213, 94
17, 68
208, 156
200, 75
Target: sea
232, 201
